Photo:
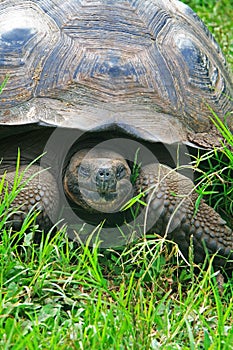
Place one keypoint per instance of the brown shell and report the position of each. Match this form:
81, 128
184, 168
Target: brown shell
149, 67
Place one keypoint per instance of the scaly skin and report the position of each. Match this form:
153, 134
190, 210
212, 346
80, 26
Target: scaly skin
39, 192
171, 212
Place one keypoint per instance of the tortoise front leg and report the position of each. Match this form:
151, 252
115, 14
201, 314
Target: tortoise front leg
171, 212
39, 191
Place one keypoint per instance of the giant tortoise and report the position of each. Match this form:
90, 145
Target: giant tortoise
93, 84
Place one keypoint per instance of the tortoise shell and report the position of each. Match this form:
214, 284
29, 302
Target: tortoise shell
150, 68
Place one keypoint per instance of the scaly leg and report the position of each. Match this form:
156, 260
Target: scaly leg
40, 192
171, 212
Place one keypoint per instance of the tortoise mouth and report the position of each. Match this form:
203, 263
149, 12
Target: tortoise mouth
107, 201
99, 195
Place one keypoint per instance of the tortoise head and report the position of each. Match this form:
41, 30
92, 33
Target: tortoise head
98, 179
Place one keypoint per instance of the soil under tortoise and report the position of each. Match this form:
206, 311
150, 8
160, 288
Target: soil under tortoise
112, 74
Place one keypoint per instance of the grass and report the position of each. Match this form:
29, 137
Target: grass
60, 296
3, 84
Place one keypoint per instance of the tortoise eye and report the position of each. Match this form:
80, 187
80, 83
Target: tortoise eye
121, 172
83, 171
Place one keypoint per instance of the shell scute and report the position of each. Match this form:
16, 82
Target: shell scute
116, 56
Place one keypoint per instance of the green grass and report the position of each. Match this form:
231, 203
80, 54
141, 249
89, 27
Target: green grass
60, 296
63, 297
3, 84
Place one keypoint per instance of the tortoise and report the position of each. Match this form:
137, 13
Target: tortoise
90, 82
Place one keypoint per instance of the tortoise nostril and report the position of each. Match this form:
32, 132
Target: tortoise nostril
105, 179
104, 174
